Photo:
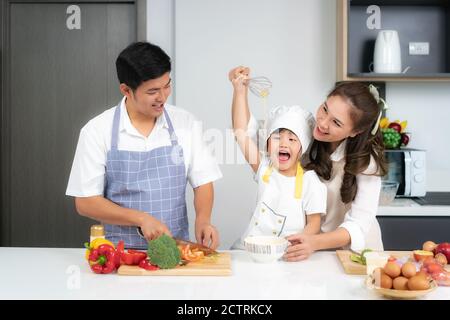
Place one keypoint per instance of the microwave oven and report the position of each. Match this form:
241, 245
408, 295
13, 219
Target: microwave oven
408, 168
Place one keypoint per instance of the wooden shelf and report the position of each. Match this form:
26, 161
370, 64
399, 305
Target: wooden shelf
416, 21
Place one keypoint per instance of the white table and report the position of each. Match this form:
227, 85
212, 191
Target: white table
46, 273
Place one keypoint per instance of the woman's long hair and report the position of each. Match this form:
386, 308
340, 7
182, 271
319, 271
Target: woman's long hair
359, 149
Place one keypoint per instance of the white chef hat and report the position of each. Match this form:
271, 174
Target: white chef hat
294, 118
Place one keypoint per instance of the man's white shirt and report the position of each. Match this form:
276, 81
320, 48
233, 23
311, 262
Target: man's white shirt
87, 177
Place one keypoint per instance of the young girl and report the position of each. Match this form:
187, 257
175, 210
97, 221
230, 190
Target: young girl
347, 155
290, 201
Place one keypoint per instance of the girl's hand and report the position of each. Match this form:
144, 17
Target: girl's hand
238, 77
300, 248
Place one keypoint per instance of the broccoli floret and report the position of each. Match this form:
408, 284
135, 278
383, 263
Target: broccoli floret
163, 252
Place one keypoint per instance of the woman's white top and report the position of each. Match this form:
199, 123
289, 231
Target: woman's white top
359, 216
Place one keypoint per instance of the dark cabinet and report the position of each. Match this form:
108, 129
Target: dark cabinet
58, 71
417, 22
410, 232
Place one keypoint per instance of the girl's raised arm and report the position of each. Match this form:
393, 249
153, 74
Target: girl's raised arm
240, 116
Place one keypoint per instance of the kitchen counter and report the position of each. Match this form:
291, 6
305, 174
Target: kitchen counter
43, 273
408, 207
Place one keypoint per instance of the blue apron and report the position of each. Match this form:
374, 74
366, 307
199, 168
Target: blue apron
151, 181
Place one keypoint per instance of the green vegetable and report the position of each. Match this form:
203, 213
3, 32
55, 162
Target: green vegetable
363, 258
391, 138
163, 252
360, 258
356, 258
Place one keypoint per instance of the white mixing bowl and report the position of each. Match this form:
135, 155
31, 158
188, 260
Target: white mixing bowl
265, 248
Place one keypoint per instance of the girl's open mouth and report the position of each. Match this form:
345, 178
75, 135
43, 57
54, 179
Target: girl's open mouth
283, 156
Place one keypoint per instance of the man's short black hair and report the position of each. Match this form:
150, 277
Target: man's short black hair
141, 61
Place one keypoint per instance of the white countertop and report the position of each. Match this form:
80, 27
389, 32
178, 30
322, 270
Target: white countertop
43, 273
408, 207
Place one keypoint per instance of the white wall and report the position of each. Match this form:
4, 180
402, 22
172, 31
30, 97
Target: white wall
293, 43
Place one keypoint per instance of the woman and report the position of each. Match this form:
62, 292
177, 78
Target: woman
347, 155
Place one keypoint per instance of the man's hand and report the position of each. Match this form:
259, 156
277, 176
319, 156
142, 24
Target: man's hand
153, 228
206, 234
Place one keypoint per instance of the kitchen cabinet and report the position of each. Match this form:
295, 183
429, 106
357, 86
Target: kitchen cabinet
417, 21
410, 232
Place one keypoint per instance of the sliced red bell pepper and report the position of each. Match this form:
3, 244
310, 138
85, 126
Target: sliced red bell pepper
133, 257
145, 264
130, 257
119, 251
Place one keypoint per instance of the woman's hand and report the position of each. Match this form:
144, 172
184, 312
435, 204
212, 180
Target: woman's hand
206, 234
238, 77
153, 228
300, 248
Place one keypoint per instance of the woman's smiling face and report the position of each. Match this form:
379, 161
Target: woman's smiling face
284, 149
334, 122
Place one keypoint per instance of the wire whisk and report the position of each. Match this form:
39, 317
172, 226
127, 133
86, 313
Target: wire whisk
260, 86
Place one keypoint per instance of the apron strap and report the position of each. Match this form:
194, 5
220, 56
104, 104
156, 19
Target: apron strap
268, 173
115, 128
298, 179
173, 136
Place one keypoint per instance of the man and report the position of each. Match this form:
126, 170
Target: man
133, 161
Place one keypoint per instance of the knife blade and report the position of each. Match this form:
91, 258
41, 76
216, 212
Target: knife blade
206, 250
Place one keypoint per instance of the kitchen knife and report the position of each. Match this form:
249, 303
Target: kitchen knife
193, 245
206, 250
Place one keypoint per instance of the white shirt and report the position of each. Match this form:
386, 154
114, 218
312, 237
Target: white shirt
357, 217
314, 192
277, 210
87, 177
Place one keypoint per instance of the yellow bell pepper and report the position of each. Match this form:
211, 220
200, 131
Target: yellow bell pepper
95, 244
384, 123
404, 124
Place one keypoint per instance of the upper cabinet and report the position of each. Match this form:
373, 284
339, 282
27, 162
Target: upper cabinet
393, 40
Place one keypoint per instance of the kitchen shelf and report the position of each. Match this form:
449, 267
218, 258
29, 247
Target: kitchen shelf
415, 21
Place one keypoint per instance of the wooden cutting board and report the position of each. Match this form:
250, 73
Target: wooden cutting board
216, 265
351, 267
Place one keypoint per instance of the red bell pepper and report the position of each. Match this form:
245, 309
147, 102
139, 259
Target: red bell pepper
133, 257
145, 264
119, 251
129, 257
103, 259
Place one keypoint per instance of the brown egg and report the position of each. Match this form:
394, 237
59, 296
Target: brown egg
441, 259
386, 281
392, 269
429, 246
418, 282
409, 270
423, 273
400, 283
